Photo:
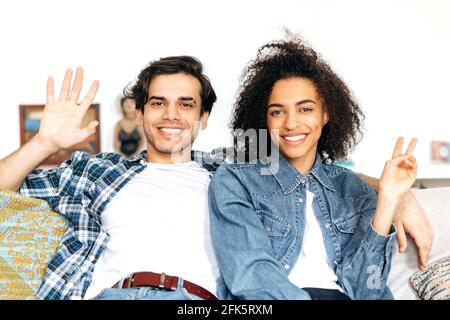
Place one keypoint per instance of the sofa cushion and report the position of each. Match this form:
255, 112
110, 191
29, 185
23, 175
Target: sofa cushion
436, 203
30, 232
433, 282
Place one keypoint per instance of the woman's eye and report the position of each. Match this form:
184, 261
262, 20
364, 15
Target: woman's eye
305, 109
276, 112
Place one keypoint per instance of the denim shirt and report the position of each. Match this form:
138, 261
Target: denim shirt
258, 223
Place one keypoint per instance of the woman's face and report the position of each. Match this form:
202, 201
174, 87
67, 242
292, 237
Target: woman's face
295, 118
129, 108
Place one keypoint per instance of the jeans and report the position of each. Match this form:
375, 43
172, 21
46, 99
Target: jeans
146, 293
326, 294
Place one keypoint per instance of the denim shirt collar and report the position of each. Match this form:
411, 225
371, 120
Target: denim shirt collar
288, 177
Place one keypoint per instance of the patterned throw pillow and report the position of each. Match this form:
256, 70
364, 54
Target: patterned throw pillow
30, 232
433, 282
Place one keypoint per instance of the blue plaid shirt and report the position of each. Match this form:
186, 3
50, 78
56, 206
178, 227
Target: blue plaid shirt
80, 189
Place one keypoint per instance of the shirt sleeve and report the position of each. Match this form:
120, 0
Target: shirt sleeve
243, 249
366, 261
48, 184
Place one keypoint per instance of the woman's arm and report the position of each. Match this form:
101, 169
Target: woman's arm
367, 258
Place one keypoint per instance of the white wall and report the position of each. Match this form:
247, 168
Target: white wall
393, 54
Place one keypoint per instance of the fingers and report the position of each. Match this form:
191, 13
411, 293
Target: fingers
398, 148
401, 238
409, 159
77, 85
90, 129
399, 145
411, 146
66, 85
87, 101
424, 251
50, 90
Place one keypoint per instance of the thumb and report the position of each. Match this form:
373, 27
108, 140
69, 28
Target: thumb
90, 129
401, 238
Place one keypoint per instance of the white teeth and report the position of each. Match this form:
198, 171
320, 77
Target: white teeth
170, 130
295, 138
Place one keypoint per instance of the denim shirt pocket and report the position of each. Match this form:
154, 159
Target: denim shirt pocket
346, 226
348, 223
276, 228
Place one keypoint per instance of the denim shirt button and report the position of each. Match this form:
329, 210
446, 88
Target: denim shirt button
268, 229
286, 266
328, 226
300, 200
335, 262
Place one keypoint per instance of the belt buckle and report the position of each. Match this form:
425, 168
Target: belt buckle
162, 280
130, 280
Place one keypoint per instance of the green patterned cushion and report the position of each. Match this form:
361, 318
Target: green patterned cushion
30, 232
433, 282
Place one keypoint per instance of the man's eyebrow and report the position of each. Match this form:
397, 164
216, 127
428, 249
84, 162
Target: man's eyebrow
187, 99
156, 98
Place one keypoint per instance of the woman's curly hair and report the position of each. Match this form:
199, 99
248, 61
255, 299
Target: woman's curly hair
293, 58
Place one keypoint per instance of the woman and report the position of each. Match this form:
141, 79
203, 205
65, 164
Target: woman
303, 229
128, 137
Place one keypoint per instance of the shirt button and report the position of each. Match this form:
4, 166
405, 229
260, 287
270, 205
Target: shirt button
328, 226
335, 262
300, 200
104, 198
70, 284
268, 229
91, 258
302, 181
286, 266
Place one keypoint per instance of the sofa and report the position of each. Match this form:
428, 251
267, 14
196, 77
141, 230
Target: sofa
30, 232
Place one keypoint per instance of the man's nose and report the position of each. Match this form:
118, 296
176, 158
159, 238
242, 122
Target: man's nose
171, 112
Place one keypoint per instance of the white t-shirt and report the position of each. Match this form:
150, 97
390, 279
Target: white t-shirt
312, 268
159, 222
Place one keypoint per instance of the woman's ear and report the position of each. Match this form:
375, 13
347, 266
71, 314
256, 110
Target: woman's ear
326, 118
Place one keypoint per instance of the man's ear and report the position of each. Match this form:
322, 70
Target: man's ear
204, 120
139, 117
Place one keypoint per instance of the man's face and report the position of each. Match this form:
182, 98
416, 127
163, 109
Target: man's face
171, 117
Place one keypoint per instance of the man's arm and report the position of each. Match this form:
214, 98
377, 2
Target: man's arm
15, 167
60, 128
410, 219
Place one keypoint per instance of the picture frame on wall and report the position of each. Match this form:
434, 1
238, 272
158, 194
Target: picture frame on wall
30, 118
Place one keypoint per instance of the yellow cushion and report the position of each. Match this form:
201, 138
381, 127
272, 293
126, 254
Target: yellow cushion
30, 232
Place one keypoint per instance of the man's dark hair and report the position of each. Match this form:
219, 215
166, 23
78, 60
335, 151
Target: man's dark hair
293, 58
171, 65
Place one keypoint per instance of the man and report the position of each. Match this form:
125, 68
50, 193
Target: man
148, 213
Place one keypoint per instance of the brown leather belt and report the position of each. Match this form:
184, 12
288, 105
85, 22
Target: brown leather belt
161, 280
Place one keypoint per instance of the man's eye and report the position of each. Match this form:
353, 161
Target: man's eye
305, 109
186, 105
157, 103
